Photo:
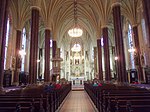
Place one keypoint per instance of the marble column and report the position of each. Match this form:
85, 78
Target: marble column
100, 69
27, 52
137, 58
53, 55
3, 29
120, 63
58, 53
146, 7
106, 54
54, 48
47, 56
95, 62
34, 45
18, 57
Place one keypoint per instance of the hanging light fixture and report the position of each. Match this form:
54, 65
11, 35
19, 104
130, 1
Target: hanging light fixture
75, 31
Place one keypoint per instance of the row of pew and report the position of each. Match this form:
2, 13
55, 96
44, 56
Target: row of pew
33, 100
115, 98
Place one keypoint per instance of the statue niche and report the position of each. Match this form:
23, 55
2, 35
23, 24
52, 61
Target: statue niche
77, 72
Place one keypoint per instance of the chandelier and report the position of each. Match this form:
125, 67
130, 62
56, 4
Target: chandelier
76, 48
75, 31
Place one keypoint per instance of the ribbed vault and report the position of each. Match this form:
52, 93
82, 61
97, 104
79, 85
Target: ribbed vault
58, 15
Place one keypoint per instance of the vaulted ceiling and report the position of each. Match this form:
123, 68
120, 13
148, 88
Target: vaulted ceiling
58, 15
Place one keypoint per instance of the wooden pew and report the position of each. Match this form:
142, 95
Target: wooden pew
27, 102
126, 105
102, 96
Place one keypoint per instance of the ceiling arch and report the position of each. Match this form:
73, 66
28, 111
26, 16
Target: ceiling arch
58, 15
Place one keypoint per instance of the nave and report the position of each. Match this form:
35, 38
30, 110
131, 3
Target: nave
94, 97
77, 101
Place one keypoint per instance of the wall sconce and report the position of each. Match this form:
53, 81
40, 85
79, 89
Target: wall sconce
132, 49
22, 52
38, 61
116, 58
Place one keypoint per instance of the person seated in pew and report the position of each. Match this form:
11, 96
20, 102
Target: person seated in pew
49, 88
57, 86
135, 82
99, 84
95, 84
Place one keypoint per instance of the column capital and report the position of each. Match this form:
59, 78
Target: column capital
116, 3
134, 25
36, 7
98, 37
54, 39
48, 28
19, 29
104, 26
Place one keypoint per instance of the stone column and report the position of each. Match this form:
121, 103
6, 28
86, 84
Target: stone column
99, 48
146, 7
3, 29
34, 45
58, 53
120, 63
95, 62
47, 56
18, 57
137, 58
53, 55
27, 52
106, 54
54, 48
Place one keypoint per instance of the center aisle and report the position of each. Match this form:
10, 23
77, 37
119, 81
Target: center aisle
77, 101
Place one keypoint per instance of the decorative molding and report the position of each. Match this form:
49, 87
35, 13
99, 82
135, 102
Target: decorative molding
104, 26
48, 28
134, 25
36, 7
18, 29
116, 4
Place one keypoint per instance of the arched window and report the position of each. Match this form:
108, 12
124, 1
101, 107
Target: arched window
6, 44
23, 48
102, 42
130, 44
92, 53
51, 43
145, 38
144, 31
61, 53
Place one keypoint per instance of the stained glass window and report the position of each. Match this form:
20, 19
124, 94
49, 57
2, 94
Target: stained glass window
130, 44
6, 45
23, 48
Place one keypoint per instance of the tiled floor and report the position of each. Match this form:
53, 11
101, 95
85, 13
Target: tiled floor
77, 87
77, 101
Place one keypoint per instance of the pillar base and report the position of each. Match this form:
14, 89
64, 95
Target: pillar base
35, 85
122, 83
2, 90
15, 83
108, 82
47, 83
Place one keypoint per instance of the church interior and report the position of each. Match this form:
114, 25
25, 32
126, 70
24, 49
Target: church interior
74, 55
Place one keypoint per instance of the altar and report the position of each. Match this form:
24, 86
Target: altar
77, 80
